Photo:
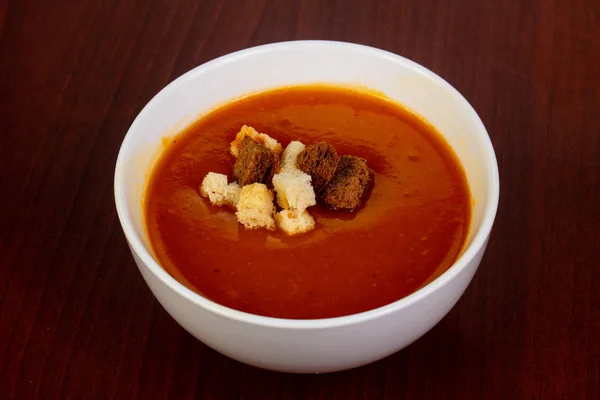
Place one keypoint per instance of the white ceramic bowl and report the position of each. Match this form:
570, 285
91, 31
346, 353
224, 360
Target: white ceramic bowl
308, 345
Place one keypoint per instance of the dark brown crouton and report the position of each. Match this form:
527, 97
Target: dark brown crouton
348, 188
255, 163
320, 162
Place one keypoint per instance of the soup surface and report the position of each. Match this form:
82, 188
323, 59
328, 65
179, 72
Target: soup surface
411, 229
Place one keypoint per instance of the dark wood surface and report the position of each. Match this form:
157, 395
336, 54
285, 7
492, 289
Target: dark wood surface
76, 319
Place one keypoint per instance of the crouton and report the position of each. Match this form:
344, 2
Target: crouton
294, 222
255, 207
255, 163
215, 187
348, 187
294, 190
290, 155
260, 138
320, 162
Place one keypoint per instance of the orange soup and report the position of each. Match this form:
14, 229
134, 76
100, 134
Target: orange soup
411, 229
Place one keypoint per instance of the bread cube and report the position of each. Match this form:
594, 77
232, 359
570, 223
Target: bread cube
290, 155
255, 207
253, 134
215, 187
294, 190
294, 222
348, 188
255, 163
320, 161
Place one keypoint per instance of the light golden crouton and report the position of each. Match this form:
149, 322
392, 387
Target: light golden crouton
215, 187
260, 138
255, 207
294, 190
294, 222
293, 187
290, 154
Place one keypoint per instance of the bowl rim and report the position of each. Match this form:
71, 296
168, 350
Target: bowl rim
479, 239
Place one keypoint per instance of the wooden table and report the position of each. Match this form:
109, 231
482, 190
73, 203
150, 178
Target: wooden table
77, 320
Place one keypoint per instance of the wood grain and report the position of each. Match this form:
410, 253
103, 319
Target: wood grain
76, 319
